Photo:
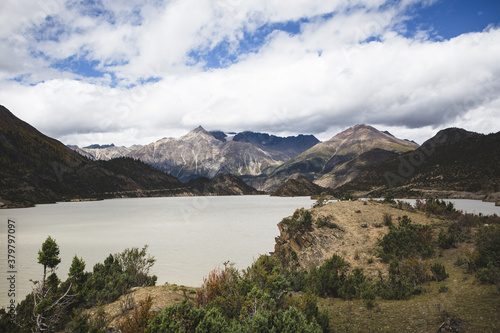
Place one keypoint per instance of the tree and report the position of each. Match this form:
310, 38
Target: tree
137, 264
49, 303
77, 276
48, 256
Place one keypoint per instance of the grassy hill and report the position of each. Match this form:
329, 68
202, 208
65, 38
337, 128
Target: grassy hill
470, 164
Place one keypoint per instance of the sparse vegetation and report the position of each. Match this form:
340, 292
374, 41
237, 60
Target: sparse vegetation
273, 296
389, 198
325, 221
300, 220
387, 218
347, 197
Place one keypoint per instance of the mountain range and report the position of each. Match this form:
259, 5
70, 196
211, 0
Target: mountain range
205, 154
263, 161
338, 160
35, 168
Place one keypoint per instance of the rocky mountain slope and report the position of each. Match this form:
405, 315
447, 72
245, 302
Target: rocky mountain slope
338, 160
35, 168
453, 160
299, 186
206, 154
105, 152
291, 146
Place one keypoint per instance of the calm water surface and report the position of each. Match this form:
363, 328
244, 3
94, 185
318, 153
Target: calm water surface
188, 236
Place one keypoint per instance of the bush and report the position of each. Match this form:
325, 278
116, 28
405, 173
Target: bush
486, 257
368, 297
328, 279
443, 289
389, 198
394, 287
347, 197
137, 322
320, 201
301, 220
254, 300
183, 317
387, 219
117, 275
436, 206
414, 270
446, 240
439, 272
406, 241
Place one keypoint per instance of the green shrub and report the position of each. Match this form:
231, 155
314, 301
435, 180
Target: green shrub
436, 206
486, 257
439, 272
347, 197
368, 297
183, 317
414, 270
327, 280
405, 241
389, 198
443, 289
301, 220
446, 240
395, 286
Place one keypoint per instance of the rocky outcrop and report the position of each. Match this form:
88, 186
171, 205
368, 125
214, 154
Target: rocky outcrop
347, 228
299, 186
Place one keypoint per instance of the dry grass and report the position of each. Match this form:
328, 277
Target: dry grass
352, 241
466, 298
162, 297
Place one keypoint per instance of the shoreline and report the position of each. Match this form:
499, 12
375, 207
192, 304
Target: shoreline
493, 197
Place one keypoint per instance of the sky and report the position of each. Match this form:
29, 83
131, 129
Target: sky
134, 71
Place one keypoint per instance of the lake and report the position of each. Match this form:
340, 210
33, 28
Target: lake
188, 236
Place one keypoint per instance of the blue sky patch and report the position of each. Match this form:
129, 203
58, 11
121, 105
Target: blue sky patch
80, 66
224, 54
450, 18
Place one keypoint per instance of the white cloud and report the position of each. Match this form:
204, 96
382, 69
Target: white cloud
348, 67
